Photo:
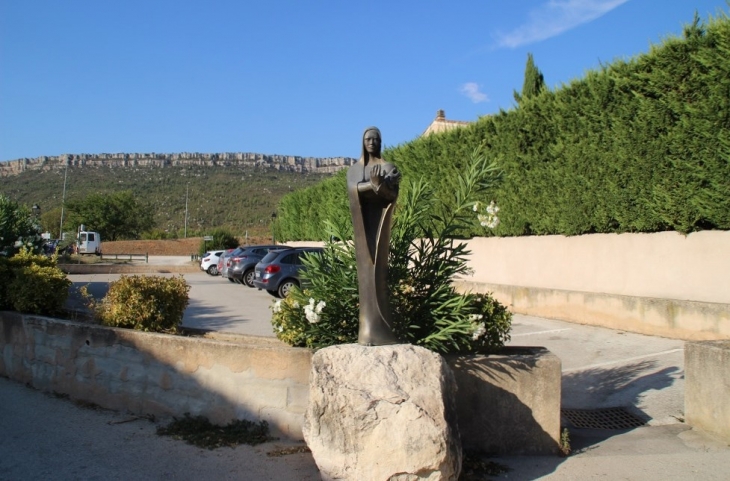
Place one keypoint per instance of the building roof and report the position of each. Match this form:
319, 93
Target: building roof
440, 124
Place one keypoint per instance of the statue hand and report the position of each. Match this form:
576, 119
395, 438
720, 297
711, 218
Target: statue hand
376, 176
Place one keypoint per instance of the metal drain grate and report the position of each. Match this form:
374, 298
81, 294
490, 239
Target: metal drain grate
608, 418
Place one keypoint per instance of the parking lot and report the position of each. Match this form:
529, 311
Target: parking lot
600, 368
215, 303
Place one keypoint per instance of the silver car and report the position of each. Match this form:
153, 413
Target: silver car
279, 270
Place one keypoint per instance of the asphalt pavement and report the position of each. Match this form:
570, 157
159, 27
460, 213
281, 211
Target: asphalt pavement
42, 437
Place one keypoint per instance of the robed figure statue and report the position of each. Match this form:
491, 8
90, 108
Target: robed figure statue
372, 186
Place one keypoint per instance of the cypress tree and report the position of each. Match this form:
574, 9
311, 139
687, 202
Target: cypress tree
534, 81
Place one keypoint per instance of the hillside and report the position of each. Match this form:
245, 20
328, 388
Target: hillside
238, 197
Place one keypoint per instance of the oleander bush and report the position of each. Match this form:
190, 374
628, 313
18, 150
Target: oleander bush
32, 284
144, 303
424, 260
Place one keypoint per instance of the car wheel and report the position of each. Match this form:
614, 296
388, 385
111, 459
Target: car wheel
273, 293
248, 277
286, 286
213, 270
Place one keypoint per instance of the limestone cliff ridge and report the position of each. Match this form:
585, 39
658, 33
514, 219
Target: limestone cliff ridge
319, 165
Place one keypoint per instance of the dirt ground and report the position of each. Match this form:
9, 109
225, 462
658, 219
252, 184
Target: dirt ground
168, 247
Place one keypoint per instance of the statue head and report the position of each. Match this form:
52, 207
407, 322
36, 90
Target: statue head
371, 143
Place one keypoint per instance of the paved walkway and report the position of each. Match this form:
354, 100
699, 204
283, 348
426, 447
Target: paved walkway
42, 437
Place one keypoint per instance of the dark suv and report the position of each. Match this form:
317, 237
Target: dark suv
279, 271
240, 262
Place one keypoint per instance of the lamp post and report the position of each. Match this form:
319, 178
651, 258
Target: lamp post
186, 211
273, 236
63, 202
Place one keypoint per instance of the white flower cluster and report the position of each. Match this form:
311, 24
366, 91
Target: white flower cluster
490, 219
479, 327
276, 308
312, 312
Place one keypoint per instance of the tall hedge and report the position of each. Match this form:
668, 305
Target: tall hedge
639, 145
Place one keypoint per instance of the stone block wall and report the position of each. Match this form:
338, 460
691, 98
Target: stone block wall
252, 378
707, 387
508, 404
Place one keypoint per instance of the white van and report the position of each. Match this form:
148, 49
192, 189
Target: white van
88, 243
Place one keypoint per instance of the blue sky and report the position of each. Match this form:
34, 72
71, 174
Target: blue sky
289, 76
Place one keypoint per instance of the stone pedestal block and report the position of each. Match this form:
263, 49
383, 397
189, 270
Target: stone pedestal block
509, 403
707, 387
382, 413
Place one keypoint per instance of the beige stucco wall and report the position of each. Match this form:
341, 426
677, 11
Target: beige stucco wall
664, 284
664, 265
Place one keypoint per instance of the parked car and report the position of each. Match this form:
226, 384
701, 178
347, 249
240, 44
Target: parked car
209, 262
280, 270
222, 264
50, 246
241, 262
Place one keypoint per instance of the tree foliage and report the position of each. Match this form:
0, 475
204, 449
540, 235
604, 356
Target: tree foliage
534, 82
18, 227
115, 216
222, 239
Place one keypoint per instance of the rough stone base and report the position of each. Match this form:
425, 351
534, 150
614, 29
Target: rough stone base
382, 413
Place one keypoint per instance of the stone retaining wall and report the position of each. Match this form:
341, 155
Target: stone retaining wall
138, 268
672, 318
507, 404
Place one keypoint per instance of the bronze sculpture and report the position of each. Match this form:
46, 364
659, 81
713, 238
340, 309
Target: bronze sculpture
372, 186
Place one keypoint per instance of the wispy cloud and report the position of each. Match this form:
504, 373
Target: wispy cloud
554, 18
471, 90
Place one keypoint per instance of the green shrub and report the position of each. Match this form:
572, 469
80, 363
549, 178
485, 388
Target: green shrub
35, 285
638, 145
222, 239
424, 259
145, 303
6, 276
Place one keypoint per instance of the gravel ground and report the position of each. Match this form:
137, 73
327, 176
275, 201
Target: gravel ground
45, 437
